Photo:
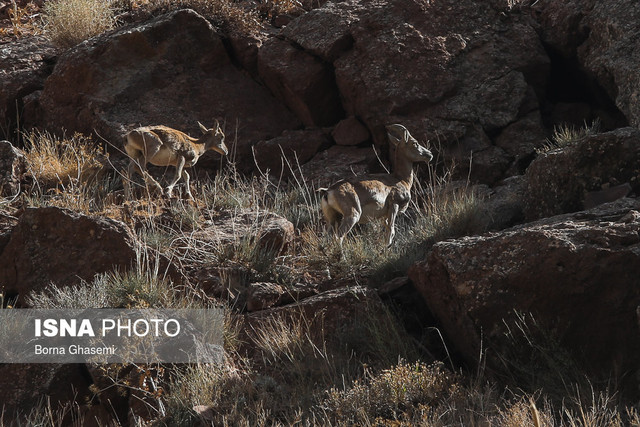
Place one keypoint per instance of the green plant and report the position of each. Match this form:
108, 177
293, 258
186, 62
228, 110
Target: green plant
69, 22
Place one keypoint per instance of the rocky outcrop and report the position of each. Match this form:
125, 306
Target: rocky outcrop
266, 295
60, 246
269, 230
173, 70
335, 310
24, 66
600, 36
350, 131
461, 71
339, 162
576, 274
283, 155
559, 180
305, 83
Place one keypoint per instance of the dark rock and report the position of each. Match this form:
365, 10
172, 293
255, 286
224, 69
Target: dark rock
339, 162
577, 274
451, 70
297, 147
23, 387
13, 165
160, 73
24, 66
520, 141
302, 81
332, 310
64, 247
264, 295
600, 36
350, 131
558, 179
504, 205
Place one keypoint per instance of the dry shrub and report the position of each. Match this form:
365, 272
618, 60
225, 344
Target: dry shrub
226, 15
389, 394
69, 22
57, 162
22, 19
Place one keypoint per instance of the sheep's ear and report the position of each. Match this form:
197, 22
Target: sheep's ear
203, 128
216, 125
397, 133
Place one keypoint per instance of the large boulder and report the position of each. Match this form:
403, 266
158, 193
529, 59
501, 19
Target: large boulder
173, 70
339, 162
601, 37
283, 155
576, 274
559, 180
23, 388
24, 66
458, 71
304, 82
64, 247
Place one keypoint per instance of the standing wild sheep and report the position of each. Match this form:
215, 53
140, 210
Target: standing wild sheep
164, 146
361, 199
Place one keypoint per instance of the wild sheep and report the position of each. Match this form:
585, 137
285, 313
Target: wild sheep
361, 199
164, 146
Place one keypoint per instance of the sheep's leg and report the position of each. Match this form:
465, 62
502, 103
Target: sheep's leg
331, 216
178, 175
349, 220
390, 225
185, 176
126, 180
152, 145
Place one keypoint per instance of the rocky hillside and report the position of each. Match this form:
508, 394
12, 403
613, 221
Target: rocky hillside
520, 253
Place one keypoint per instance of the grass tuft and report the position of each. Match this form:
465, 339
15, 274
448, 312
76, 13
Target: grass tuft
568, 134
69, 22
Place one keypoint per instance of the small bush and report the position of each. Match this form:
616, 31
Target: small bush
389, 394
69, 22
54, 161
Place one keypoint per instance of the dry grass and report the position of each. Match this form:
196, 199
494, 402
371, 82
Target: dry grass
22, 20
389, 394
568, 134
69, 22
227, 15
57, 161
366, 372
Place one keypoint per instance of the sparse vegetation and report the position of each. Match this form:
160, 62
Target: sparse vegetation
288, 369
568, 134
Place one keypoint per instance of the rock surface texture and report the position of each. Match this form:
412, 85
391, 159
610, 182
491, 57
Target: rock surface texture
601, 37
558, 181
24, 66
577, 274
173, 70
461, 71
60, 246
